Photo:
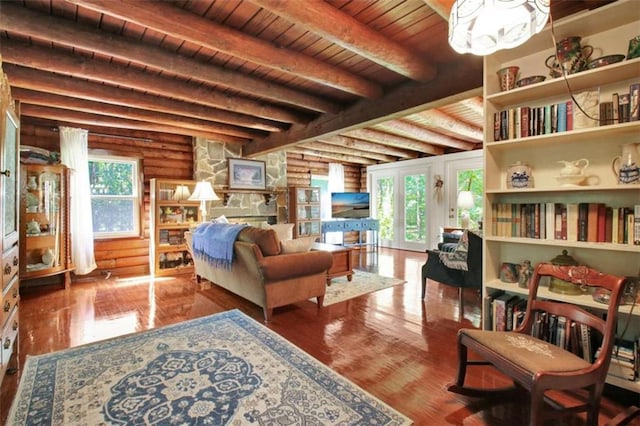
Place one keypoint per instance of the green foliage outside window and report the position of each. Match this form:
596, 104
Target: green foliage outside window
384, 207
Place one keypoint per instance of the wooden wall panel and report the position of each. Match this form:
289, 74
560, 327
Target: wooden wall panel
162, 156
165, 156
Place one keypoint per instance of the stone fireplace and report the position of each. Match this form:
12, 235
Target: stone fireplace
210, 164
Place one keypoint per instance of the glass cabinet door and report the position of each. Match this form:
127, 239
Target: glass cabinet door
44, 243
9, 169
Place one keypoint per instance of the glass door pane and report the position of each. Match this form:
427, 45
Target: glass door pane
385, 206
415, 228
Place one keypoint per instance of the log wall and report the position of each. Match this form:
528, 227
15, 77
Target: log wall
163, 156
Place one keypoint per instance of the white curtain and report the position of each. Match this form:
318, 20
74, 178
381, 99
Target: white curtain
336, 184
74, 153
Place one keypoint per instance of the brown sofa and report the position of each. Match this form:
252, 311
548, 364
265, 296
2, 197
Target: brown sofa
261, 274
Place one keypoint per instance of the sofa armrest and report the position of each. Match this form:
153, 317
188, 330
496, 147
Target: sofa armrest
292, 265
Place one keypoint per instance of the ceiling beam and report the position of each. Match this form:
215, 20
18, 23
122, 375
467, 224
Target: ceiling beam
454, 81
47, 99
171, 20
101, 71
441, 7
100, 120
21, 20
340, 28
396, 141
367, 146
321, 146
416, 132
474, 104
43, 81
438, 119
344, 158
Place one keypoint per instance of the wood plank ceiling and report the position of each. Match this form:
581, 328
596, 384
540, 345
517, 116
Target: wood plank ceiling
352, 81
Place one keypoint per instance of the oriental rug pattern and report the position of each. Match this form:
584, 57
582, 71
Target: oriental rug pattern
221, 369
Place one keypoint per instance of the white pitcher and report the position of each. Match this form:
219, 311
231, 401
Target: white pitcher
626, 166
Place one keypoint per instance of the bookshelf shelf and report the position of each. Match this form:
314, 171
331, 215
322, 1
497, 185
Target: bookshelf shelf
607, 29
582, 300
566, 244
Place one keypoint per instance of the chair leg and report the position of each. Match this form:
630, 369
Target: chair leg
460, 303
536, 406
458, 385
424, 282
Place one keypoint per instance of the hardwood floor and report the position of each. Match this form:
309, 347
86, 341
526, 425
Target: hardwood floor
389, 342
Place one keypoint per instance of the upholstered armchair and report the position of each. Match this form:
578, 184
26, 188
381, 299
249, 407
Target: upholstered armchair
464, 271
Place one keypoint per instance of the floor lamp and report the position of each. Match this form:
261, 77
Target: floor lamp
203, 193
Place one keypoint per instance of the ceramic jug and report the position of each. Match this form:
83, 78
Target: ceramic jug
574, 168
519, 175
626, 166
571, 56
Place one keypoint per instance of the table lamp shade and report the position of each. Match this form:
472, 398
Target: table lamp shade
465, 200
204, 192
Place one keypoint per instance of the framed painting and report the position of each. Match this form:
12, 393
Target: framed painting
247, 174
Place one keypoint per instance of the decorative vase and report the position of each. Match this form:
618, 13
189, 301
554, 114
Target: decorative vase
32, 184
507, 77
626, 166
519, 176
48, 257
570, 56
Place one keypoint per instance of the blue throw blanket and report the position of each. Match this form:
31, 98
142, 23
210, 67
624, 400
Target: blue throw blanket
214, 242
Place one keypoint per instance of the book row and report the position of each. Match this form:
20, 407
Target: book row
625, 360
587, 222
525, 121
508, 311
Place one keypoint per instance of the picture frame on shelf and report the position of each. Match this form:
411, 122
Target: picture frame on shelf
247, 174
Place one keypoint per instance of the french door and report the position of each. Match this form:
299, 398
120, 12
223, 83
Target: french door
401, 206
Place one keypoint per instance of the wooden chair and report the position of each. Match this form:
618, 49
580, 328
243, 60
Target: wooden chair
538, 366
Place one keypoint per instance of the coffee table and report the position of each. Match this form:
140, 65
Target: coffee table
341, 260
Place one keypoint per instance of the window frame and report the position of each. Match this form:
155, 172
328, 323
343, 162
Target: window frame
136, 196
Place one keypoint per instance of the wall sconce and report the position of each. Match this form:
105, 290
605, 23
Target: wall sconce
482, 27
203, 193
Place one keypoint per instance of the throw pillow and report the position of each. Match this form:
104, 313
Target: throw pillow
299, 245
284, 231
220, 219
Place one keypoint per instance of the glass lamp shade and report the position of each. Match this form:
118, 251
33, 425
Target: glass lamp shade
482, 27
465, 200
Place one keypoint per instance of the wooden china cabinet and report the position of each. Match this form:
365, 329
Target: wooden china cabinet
45, 247
9, 143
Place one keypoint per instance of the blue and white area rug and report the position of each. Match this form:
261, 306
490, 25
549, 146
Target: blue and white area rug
221, 369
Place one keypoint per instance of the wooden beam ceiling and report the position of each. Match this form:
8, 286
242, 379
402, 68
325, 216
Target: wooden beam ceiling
349, 81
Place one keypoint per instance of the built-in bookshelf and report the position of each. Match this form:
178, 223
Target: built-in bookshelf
172, 214
544, 152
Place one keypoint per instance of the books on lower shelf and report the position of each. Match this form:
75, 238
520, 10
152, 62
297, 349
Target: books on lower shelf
507, 313
587, 222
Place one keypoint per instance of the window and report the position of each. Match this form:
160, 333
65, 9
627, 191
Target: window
115, 196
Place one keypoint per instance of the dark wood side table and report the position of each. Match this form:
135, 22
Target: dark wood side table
342, 264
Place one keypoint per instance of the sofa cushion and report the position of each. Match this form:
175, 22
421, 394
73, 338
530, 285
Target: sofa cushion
266, 239
284, 231
299, 245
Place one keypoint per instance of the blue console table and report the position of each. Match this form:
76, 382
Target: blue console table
353, 225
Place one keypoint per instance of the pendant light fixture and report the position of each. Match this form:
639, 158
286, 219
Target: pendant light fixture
482, 27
